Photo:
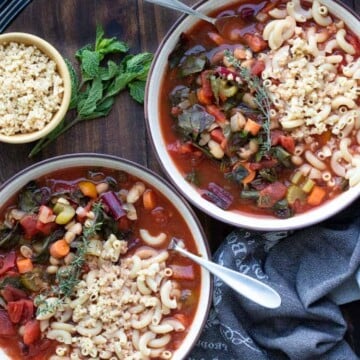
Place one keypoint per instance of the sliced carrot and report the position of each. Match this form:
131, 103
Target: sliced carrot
216, 38
149, 199
217, 113
252, 126
24, 265
251, 174
88, 189
202, 98
316, 196
59, 249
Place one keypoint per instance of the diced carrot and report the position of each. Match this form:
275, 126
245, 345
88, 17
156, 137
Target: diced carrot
252, 126
202, 98
216, 38
24, 265
215, 111
149, 199
59, 249
316, 196
88, 189
255, 42
206, 84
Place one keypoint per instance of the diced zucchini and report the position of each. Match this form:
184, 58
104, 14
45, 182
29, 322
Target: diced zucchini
64, 213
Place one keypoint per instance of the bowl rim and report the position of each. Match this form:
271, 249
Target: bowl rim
154, 180
48, 49
235, 218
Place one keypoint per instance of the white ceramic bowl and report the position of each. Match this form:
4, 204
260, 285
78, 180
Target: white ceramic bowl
62, 69
152, 105
18, 181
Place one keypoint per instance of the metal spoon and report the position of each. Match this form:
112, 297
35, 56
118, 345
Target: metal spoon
178, 5
247, 286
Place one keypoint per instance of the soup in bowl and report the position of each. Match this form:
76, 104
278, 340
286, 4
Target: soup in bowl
257, 121
84, 267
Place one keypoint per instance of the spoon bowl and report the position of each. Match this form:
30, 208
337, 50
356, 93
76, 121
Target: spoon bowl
245, 285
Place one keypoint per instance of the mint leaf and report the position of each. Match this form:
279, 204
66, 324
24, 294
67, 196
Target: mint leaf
94, 91
74, 84
108, 46
137, 90
94, 94
90, 61
110, 72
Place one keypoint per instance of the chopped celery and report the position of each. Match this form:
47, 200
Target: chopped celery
297, 178
294, 193
308, 185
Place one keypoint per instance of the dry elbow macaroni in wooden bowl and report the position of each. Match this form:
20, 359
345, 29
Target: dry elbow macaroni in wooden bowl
262, 120
85, 272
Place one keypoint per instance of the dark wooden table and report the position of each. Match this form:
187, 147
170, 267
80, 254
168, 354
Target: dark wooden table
70, 24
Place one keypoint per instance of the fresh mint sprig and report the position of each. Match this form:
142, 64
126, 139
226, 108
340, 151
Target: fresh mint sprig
93, 91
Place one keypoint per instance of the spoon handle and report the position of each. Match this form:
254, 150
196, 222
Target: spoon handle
249, 287
178, 5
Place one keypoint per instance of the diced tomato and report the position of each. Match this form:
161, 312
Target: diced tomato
255, 42
288, 143
181, 148
6, 328
206, 84
183, 272
218, 136
217, 113
160, 215
47, 228
275, 137
258, 67
28, 310
354, 41
41, 350
15, 309
28, 223
11, 293
7, 262
263, 164
20, 310
272, 194
124, 223
32, 332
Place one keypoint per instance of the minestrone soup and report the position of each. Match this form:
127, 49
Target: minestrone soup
263, 115
85, 272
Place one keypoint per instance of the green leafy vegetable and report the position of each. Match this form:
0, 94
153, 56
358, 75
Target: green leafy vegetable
195, 120
262, 99
93, 92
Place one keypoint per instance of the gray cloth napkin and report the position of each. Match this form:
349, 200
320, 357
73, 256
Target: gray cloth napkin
9, 9
304, 267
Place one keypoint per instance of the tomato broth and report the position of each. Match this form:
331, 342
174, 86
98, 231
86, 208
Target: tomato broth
119, 209
239, 128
